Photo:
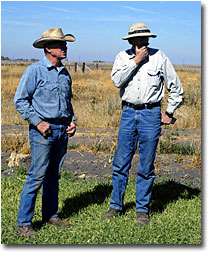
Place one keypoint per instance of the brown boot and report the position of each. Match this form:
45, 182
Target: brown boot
142, 218
111, 213
58, 222
26, 231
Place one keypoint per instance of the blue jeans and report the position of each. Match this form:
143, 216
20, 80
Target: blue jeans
47, 154
143, 126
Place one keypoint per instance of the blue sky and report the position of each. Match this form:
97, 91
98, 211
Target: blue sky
99, 27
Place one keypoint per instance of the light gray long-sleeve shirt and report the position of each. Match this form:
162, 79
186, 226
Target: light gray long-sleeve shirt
143, 83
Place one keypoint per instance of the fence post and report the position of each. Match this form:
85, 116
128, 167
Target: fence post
83, 67
97, 66
75, 67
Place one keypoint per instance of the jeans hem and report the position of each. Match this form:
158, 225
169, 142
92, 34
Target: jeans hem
142, 210
116, 207
24, 224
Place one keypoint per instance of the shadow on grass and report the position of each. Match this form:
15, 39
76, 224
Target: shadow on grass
79, 202
164, 193
74, 205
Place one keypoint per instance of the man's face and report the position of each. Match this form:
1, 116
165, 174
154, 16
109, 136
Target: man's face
139, 41
57, 49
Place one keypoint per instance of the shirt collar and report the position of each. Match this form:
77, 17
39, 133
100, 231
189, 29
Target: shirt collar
130, 53
49, 65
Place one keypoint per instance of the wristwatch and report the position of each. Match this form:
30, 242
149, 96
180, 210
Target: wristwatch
170, 115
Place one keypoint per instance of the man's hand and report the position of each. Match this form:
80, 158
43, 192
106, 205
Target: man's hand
71, 129
165, 119
141, 54
44, 128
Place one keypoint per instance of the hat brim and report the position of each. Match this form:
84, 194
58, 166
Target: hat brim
40, 43
139, 35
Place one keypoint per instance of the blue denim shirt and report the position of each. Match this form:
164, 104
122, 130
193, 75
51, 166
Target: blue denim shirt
44, 93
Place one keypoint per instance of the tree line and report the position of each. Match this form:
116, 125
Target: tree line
3, 58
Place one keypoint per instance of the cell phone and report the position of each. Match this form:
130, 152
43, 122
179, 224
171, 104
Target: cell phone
173, 120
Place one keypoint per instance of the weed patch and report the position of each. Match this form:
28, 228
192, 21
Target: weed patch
168, 148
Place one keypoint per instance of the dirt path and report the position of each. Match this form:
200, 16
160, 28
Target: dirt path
85, 164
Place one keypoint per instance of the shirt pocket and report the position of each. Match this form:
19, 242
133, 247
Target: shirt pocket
154, 77
48, 92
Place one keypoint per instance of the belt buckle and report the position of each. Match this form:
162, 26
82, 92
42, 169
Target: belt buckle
62, 120
59, 120
145, 106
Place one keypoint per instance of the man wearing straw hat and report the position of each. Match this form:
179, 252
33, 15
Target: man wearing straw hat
43, 98
139, 72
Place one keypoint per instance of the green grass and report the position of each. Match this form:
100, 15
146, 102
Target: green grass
174, 148
175, 215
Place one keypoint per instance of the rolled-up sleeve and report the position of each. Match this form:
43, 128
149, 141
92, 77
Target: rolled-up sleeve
23, 95
173, 85
122, 70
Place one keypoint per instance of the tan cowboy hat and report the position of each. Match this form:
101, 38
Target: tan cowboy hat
53, 34
139, 30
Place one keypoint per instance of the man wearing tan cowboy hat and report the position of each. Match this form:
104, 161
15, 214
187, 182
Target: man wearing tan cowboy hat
139, 72
43, 98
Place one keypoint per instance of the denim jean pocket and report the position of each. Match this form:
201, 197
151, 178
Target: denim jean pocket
125, 108
155, 111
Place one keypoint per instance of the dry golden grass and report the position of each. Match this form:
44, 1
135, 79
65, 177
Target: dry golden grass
189, 115
10, 78
96, 101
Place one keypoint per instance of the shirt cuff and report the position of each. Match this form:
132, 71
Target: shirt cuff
34, 120
170, 109
74, 119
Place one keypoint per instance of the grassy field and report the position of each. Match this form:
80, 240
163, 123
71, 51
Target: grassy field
95, 92
175, 216
175, 209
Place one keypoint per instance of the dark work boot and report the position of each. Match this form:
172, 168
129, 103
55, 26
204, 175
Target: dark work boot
111, 213
142, 218
26, 231
58, 222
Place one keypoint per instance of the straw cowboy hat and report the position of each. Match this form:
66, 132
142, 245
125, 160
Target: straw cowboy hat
139, 30
53, 34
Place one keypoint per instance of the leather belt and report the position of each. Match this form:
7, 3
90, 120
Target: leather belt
58, 120
142, 106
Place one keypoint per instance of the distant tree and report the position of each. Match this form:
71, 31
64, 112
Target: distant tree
32, 59
98, 61
4, 58
21, 59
